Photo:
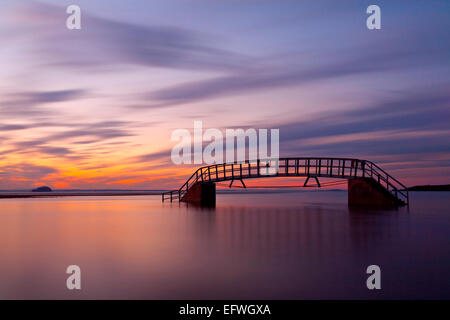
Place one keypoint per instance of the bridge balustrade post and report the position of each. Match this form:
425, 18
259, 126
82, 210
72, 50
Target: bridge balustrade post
209, 173
363, 168
258, 164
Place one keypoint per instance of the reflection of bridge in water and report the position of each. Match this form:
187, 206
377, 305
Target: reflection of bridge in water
368, 184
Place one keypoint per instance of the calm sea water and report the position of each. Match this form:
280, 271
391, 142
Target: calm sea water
297, 245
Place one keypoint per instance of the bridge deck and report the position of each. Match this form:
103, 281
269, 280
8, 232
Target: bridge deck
344, 168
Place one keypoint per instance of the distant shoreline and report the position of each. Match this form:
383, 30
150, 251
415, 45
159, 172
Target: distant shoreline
443, 187
26, 194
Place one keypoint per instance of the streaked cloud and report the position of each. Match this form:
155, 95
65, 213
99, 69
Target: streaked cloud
104, 41
24, 174
27, 104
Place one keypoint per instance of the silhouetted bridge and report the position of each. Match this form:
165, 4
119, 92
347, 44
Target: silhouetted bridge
368, 184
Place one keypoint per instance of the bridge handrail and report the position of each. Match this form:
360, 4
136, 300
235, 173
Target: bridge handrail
403, 190
391, 177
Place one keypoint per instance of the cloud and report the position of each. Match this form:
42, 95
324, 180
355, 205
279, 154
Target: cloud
268, 79
385, 55
377, 147
51, 96
26, 98
26, 171
51, 144
101, 130
153, 156
415, 110
106, 42
39, 146
13, 127
415, 122
27, 104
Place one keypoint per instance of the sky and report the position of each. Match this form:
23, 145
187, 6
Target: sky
95, 108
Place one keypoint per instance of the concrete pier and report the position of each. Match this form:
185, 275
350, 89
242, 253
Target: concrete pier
368, 193
202, 194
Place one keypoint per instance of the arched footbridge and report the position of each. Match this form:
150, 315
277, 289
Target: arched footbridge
368, 184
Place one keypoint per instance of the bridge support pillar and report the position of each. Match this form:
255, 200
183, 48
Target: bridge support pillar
307, 179
366, 192
242, 181
201, 194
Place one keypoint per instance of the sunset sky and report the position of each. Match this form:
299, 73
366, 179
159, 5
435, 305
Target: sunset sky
95, 108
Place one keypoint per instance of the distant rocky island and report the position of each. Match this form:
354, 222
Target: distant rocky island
42, 189
442, 187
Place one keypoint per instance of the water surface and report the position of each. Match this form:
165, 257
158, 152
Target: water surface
290, 245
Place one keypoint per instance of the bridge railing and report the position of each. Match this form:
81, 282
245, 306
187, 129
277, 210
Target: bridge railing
345, 168
395, 187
